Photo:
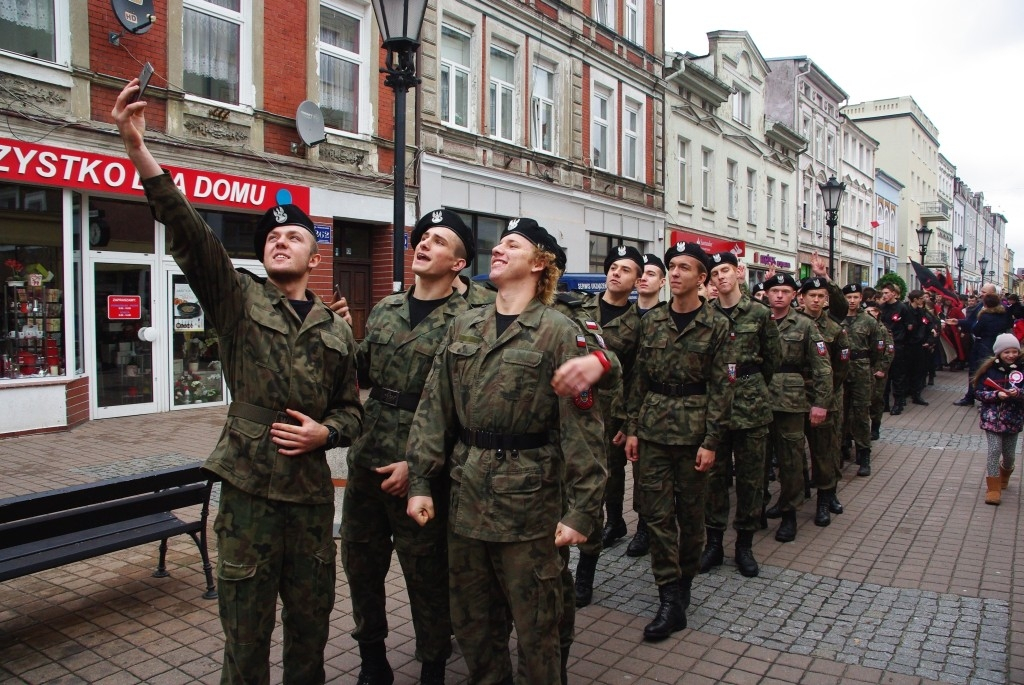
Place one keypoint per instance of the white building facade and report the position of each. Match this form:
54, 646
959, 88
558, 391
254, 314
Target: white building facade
888, 192
857, 211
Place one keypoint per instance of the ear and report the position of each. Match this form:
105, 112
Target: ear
459, 265
315, 259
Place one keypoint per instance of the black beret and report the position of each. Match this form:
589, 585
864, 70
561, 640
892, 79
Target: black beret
450, 220
723, 258
780, 279
281, 215
813, 284
624, 252
655, 260
690, 249
852, 288
759, 287
536, 234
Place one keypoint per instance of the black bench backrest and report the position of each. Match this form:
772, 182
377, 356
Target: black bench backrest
80, 507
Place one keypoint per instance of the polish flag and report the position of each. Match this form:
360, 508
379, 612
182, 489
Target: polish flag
876, 224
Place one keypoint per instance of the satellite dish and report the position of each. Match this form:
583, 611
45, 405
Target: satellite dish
136, 16
309, 122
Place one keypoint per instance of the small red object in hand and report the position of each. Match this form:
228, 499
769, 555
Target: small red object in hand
992, 385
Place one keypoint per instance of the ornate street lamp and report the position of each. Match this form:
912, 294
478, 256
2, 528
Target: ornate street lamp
400, 22
961, 253
983, 263
831, 196
924, 235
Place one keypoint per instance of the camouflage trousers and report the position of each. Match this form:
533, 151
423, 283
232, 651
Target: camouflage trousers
787, 438
823, 443
489, 581
567, 624
373, 523
672, 494
857, 403
615, 486
741, 454
878, 397
267, 548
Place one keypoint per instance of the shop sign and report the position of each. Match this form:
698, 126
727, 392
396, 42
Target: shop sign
708, 244
23, 162
124, 307
765, 259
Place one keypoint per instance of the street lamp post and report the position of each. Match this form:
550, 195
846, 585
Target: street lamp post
400, 22
961, 253
983, 263
924, 235
831, 196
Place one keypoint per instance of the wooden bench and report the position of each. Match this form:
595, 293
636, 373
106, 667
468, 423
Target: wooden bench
45, 530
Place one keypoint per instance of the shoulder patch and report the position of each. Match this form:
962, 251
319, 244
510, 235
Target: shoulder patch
585, 400
844, 354
822, 350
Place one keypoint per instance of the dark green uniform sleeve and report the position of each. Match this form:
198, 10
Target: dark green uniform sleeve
816, 354
430, 435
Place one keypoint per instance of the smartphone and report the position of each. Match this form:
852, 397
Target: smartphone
337, 293
144, 76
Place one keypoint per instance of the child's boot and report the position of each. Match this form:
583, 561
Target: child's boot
1004, 476
994, 487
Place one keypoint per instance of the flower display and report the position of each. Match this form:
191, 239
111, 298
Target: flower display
190, 388
15, 266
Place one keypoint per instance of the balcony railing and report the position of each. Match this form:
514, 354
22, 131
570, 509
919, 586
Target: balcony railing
935, 211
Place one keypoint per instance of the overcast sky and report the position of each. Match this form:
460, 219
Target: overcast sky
960, 61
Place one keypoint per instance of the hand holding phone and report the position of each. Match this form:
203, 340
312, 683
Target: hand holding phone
144, 76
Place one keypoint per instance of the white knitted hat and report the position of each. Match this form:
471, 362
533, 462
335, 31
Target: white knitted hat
1005, 342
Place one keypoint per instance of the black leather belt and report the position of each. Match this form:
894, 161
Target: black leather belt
791, 368
858, 354
395, 398
678, 389
503, 441
750, 369
251, 412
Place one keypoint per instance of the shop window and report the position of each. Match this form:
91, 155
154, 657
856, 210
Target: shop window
117, 226
197, 373
234, 230
31, 252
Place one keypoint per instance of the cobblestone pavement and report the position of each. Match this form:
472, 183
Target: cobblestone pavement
916, 583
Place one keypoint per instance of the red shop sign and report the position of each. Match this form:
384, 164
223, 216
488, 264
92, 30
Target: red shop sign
124, 307
22, 162
709, 245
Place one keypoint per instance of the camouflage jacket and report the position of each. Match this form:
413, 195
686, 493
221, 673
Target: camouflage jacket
803, 352
754, 338
621, 335
838, 344
396, 357
698, 355
502, 384
477, 294
571, 305
885, 360
270, 358
867, 343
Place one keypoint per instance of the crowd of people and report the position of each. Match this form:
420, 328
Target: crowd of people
500, 424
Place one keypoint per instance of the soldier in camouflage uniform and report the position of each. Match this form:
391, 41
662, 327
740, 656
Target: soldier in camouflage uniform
823, 438
756, 352
289, 363
881, 374
515, 454
678, 404
801, 389
402, 335
867, 347
620, 324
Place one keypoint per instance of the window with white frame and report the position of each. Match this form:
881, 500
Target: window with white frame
631, 147
806, 207
502, 67
455, 59
741, 106
36, 28
600, 132
682, 157
604, 12
732, 169
707, 178
634, 22
217, 50
784, 206
542, 109
769, 197
751, 196
344, 84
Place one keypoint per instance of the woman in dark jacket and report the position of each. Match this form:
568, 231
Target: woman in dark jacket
992, 320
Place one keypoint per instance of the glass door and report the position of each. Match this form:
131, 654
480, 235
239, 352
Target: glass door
125, 382
195, 354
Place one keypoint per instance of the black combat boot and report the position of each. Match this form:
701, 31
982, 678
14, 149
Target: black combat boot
670, 617
374, 669
773, 512
641, 542
822, 517
897, 406
685, 586
615, 526
876, 427
585, 579
917, 399
745, 560
787, 529
864, 459
713, 554
432, 672
833, 503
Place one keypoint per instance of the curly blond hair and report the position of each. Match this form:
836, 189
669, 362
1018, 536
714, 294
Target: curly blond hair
548, 277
